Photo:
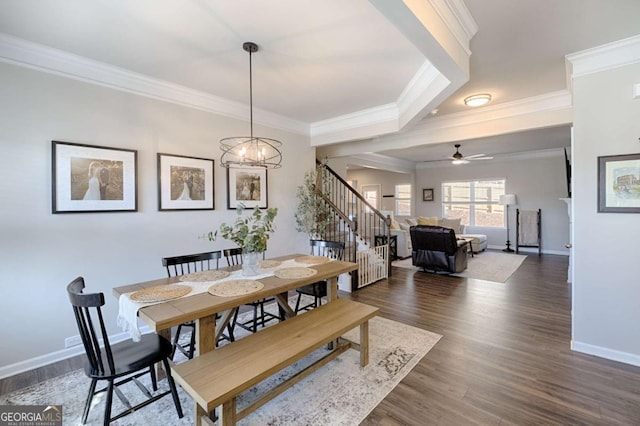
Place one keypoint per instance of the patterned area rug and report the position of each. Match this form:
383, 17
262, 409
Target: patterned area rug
339, 393
487, 265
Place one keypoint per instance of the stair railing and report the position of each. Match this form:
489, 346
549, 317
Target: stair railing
356, 220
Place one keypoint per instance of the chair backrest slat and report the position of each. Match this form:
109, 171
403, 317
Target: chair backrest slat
186, 264
88, 313
330, 249
233, 256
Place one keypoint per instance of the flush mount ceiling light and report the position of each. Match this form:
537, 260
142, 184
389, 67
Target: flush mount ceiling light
250, 150
477, 100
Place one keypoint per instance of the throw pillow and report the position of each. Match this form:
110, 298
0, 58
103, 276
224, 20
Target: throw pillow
405, 226
394, 225
431, 221
411, 222
451, 223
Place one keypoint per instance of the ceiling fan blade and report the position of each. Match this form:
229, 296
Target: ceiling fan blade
480, 158
474, 156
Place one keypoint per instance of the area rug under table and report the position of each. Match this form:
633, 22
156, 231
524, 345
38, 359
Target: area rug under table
339, 393
487, 265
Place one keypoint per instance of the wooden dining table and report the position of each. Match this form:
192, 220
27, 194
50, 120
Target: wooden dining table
202, 308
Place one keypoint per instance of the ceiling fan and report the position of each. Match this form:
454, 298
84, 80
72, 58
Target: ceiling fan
458, 158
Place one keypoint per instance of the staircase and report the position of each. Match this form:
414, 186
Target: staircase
359, 225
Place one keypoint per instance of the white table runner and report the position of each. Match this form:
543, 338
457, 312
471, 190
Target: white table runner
128, 309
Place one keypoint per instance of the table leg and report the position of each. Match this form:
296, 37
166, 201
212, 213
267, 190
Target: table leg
283, 306
160, 373
332, 289
332, 295
225, 318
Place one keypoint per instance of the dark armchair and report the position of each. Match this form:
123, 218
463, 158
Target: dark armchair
436, 249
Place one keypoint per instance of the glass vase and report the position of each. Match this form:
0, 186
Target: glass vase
250, 264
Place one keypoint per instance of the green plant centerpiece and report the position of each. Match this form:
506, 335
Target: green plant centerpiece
313, 215
251, 233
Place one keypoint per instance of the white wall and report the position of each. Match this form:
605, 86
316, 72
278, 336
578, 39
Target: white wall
387, 181
538, 182
606, 287
42, 252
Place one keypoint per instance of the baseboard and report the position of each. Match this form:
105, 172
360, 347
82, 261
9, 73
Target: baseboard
50, 358
607, 353
532, 250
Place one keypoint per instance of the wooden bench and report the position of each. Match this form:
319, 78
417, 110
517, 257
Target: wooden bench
217, 377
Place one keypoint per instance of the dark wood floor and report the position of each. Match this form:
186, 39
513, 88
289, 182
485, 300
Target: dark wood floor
505, 356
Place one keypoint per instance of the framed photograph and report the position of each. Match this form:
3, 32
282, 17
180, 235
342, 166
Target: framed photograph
427, 194
185, 183
248, 186
93, 179
619, 184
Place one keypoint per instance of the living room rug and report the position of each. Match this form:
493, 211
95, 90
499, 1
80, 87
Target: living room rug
487, 265
339, 393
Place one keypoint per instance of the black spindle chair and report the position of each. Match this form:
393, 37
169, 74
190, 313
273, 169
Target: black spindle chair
120, 363
330, 249
186, 264
260, 316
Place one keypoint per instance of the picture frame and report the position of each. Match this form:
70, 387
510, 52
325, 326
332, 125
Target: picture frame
619, 183
247, 186
185, 183
93, 179
427, 194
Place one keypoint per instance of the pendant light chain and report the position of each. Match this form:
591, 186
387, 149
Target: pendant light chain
251, 92
252, 151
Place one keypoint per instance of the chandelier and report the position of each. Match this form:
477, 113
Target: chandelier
250, 150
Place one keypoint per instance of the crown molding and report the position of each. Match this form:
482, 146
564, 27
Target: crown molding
24, 53
423, 88
383, 162
608, 56
362, 118
547, 102
458, 19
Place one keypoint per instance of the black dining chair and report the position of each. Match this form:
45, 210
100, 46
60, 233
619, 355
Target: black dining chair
330, 249
187, 264
260, 316
120, 363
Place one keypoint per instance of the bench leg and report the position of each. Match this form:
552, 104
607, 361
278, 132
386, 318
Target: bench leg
205, 342
364, 344
229, 412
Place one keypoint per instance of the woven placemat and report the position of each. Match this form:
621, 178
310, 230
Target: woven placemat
312, 260
160, 293
235, 288
295, 273
266, 264
203, 276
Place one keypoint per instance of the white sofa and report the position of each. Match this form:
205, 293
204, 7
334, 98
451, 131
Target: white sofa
478, 241
404, 242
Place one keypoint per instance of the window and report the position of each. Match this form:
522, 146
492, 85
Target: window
371, 193
403, 200
475, 202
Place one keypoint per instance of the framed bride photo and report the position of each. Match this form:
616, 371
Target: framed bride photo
93, 179
185, 183
247, 186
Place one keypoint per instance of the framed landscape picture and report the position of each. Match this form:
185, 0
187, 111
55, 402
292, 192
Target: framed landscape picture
427, 194
619, 184
91, 179
248, 186
185, 183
